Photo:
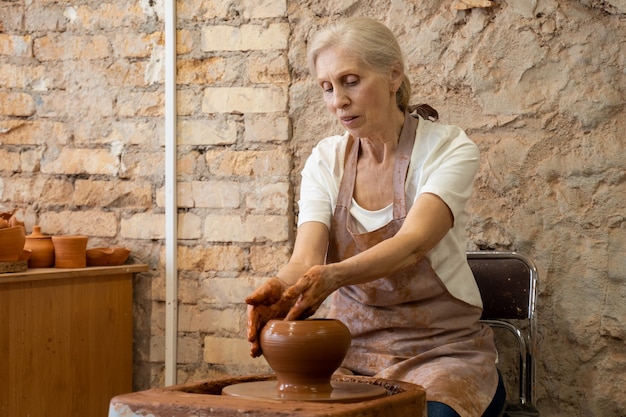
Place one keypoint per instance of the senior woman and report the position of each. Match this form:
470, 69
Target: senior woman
381, 227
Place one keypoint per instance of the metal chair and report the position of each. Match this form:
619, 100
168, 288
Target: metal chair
507, 283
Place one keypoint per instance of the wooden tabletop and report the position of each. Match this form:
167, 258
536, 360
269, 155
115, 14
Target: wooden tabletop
36, 274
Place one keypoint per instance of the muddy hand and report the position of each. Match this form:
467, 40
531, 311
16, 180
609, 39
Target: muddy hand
267, 294
308, 293
264, 304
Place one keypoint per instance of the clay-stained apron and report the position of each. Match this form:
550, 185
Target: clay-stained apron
407, 326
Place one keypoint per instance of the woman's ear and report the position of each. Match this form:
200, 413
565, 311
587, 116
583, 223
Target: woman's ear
396, 75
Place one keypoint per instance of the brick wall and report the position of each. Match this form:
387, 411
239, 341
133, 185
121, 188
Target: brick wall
234, 175
81, 117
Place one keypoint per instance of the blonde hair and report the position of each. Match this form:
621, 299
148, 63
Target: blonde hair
373, 43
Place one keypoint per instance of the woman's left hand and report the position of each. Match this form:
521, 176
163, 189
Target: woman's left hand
309, 292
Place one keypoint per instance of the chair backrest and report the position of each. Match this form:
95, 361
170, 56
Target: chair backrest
507, 283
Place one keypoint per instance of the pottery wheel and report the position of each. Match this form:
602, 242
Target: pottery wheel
343, 392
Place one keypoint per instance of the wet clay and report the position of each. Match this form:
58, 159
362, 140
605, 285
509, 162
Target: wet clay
304, 354
341, 392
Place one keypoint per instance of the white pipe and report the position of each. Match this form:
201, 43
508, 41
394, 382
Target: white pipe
171, 201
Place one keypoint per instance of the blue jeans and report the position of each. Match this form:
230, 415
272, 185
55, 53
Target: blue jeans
437, 409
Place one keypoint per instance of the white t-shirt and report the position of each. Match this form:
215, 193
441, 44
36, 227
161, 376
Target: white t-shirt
444, 162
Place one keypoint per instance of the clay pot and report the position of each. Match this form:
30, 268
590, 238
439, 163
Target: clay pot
305, 353
42, 249
107, 256
70, 251
11, 243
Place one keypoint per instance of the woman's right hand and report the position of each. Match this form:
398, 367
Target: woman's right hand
264, 304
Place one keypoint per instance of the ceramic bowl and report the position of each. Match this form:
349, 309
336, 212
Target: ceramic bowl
8, 219
107, 256
11, 243
305, 353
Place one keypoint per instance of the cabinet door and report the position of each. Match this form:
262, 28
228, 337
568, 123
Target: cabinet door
66, 344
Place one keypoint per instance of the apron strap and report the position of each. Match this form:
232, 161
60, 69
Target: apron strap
346, 188
401, 166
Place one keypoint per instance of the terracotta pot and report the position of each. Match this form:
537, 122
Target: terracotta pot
107, 256
70, 251
11, 243
305, 353
42, 249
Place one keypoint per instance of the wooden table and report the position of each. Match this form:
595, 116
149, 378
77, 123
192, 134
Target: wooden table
65, 340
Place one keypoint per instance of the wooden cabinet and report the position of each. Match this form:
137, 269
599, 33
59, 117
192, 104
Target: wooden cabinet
65, 340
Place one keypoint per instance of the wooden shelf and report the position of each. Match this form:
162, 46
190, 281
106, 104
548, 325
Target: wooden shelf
35, 274
65, 340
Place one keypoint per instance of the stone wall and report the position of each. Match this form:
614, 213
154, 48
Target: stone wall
538, 84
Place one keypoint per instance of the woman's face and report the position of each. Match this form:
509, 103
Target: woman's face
363, 100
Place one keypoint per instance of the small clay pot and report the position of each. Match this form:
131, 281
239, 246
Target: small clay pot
305, 353
70, 251
11, 243
42, 255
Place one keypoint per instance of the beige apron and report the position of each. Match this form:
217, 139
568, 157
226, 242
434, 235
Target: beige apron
407, 326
